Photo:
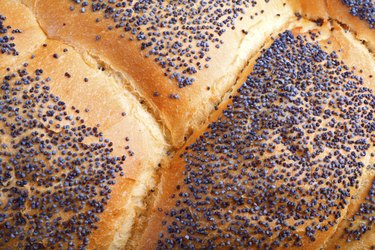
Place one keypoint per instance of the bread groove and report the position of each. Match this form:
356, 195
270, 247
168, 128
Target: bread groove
355, 34
241, 77
341, 40
125, 81
145, 183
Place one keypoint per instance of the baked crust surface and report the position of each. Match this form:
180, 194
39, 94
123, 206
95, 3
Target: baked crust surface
155, 124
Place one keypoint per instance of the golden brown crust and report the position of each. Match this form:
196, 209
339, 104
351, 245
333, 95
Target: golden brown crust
311, 9
362, 60
29, 3
337, 10
340, 239
77, 78
147, 77
340, 12
122, 120
331, 38
137, 125
31, 37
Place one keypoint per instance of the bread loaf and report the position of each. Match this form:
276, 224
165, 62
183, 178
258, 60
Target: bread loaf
187, 124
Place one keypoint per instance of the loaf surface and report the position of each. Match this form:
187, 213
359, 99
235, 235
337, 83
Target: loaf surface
183, 104
20, 33
187, 124
78, 151
278, 164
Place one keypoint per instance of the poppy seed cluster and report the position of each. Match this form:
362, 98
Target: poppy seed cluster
178, 34
7, 46
364, 218
364, 9
280, 164
56, 173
